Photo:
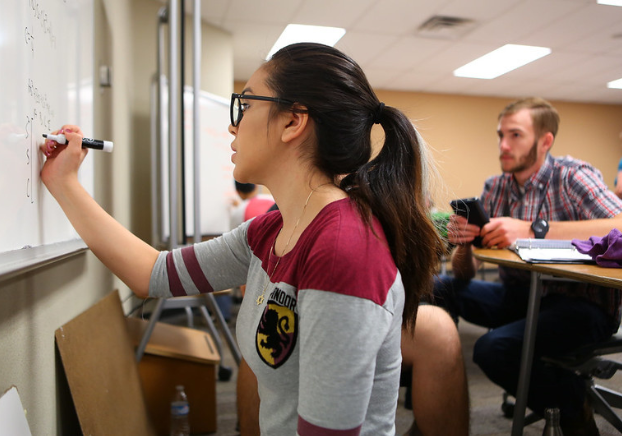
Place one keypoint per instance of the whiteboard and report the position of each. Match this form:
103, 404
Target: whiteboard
46, 47
217, 185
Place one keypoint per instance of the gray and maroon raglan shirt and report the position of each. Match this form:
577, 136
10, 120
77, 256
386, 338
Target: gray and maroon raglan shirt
325, 342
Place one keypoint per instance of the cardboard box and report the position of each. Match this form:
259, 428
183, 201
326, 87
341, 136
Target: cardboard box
177, 356
100, 365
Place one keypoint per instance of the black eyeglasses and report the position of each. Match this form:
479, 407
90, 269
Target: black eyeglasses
237, 108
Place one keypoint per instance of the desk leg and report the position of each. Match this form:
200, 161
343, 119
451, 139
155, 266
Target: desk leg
531, 324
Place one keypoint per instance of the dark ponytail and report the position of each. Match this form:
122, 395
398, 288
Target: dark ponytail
335, 91
392, 185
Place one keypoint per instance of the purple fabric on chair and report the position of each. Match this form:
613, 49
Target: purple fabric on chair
606, 251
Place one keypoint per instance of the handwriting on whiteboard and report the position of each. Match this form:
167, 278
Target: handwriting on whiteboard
42, 17
40, 117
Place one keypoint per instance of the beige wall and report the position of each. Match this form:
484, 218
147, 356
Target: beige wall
34, 305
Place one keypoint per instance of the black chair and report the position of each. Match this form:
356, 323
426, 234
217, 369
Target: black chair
588, 363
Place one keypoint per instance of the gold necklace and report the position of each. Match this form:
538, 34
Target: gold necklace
269, 278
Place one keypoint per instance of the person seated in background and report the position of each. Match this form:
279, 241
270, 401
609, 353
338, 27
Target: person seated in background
433, 355
537, 196
252, 203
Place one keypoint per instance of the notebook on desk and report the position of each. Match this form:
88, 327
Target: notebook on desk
549, 251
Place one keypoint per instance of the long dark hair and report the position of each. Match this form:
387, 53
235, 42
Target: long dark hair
335, 91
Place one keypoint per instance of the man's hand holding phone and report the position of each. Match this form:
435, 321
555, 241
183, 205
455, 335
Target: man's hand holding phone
465, 226
460, 232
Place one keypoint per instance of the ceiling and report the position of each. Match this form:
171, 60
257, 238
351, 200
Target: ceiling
382, 36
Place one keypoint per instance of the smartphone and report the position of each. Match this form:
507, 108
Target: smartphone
473, 211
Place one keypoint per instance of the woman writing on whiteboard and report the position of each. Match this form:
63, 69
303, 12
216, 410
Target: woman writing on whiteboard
329, 274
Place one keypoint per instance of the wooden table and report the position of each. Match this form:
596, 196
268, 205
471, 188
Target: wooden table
590, 273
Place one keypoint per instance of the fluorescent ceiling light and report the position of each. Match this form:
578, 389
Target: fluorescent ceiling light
301, 33
617, 84
610, 2
500, 61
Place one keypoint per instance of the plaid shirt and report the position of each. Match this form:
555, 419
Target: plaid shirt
564, 189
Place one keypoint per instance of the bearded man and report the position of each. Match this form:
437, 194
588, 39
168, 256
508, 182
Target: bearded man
537, 196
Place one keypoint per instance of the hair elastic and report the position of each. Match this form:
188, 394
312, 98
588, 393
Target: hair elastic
378, 113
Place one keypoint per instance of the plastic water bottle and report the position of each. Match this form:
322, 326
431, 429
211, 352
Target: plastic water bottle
180, 410
552, 428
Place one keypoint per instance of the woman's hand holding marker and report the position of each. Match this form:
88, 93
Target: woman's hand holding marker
63, 160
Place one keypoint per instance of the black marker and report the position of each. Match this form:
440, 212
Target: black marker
95, 144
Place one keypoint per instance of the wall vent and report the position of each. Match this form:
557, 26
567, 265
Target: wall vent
445, 27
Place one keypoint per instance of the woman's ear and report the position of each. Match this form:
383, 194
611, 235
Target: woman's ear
297, 125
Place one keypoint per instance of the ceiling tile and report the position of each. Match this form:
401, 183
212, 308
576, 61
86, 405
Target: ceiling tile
454, 56
516, 88
480, 10
398, 17
343, 13
525, 18
412, 81
408, 52
592, 95
605, 76
594, 65
363, 47
568, 29
457, 85
549, 66
380, 78
607, 39
264, 11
